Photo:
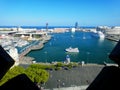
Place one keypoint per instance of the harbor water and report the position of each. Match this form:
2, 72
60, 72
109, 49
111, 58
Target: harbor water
91, 49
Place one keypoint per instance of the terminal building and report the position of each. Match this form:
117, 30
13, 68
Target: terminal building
109, 30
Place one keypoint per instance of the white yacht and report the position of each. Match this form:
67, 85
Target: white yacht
70, 49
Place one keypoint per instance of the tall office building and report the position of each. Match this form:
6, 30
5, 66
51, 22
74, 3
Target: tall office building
46, 26
76, 25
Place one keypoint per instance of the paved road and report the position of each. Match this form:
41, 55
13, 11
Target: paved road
82, 75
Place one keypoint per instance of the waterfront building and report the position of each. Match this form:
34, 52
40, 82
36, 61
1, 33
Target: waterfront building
60, 30
102, 28
113, 30
19, 29
31, 35
109, 30
93, 30
8, 29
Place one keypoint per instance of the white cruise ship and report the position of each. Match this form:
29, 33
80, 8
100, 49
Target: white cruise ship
70, 49
98, 34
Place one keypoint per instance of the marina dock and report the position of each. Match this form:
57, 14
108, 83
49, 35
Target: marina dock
34, 46
113, 37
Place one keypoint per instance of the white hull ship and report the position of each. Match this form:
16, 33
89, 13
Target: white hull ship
70, 49
98, 34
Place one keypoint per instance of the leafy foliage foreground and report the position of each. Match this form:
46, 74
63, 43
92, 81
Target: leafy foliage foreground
36, 74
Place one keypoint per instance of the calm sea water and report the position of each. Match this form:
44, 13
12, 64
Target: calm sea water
92, 50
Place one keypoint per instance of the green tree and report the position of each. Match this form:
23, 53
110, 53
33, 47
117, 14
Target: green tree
36, 74
12, 73
60, 64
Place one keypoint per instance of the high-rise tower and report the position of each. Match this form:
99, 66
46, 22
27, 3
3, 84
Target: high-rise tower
46, 26
76, 25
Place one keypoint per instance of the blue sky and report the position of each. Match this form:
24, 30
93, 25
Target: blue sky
60, 12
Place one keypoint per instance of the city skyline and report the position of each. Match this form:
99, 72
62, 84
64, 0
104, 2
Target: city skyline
59, 12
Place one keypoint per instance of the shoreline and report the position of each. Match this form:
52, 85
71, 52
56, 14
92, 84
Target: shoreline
23, 58
29, 60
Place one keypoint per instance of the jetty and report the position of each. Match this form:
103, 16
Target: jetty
113, 37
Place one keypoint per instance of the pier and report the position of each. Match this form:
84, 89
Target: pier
28, 60
27, 49
113, 37
33, 46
